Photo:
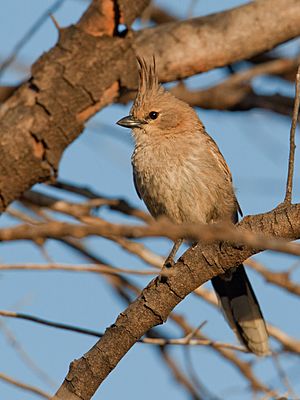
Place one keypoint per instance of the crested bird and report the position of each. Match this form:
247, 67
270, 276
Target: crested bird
180, 173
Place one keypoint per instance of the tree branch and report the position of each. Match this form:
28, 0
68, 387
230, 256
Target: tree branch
85, 72
280, 279
235, 92
152, 307
216, 40
289, 183
245, 233
24, 386
95, 268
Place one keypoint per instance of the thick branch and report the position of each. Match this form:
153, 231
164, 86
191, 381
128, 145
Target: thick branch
152, 307
37, 124
204, 43
88, 70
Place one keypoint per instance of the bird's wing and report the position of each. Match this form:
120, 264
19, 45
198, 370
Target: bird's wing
218, 156
136, 184
215, 151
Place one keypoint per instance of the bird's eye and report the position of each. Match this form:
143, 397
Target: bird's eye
153, 114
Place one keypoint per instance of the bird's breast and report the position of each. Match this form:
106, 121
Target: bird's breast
185, 186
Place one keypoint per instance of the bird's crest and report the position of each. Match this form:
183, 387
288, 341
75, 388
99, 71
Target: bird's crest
148, 81
148, 76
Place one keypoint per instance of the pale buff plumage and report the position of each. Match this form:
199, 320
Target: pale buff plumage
180, 173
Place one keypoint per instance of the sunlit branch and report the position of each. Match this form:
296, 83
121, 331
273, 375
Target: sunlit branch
24, 386
289, 183
96, 268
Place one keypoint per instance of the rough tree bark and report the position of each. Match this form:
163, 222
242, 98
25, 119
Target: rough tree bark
90, 67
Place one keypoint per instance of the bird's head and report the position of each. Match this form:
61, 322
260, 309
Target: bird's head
156, 111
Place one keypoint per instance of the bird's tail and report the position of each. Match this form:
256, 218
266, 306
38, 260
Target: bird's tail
242, 310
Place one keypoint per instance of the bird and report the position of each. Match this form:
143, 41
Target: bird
180, 173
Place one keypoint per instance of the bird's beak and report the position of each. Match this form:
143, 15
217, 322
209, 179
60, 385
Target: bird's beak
130, 122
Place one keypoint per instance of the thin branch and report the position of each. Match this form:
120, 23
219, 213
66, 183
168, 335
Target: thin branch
74, 209
283, 377
187, 340
289, 183
82, 211
140, 251
95, 268
179, 375
120, 205
235, 92
42, 321
288, 75
288, 343
281, 279
25, 386
244, 367
206, 394
24, 356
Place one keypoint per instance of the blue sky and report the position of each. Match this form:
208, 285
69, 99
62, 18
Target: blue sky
255, 145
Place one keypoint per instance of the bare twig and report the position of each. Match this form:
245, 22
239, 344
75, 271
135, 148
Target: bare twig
25, 386
288, 343
281, 279
96, 268
235, 92
288, 75
184, 341
55, 22
24, 356
289, 183
120, 205
82, 211
244, 367
206, 394
179, 375
42, 321
76, 210
283, 376
140, 251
